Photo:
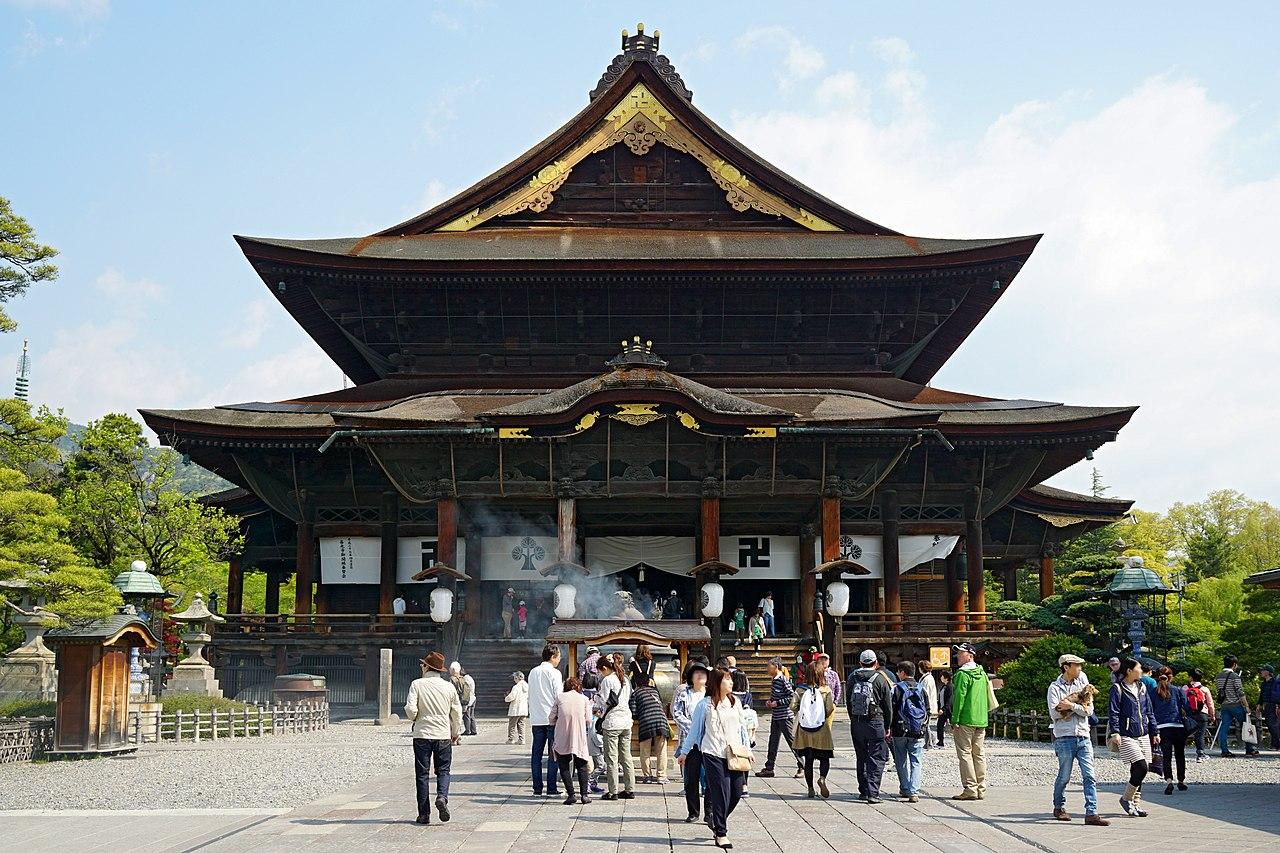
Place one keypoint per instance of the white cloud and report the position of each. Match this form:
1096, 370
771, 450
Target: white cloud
114, 283
1153, 284
299, 371
248, 332
800, 60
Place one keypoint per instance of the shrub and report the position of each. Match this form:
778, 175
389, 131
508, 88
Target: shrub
1014, 609
189, 703
1027, 677
26, 708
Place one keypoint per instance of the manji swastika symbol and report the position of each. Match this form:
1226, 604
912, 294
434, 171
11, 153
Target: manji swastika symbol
753, 552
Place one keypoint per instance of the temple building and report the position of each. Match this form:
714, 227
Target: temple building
636, 352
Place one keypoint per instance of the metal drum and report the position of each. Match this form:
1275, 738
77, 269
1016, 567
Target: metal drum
299, 688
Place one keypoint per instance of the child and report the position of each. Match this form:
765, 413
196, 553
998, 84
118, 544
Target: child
751, 722
517, 700
522, 614
740, 623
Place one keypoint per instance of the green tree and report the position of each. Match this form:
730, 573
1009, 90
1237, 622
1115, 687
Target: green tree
125, 503
23, 260
1211, 553
1027, 677
28, 441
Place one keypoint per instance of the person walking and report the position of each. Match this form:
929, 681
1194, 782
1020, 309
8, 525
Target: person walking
467, 690
828, 676
813, 706
970, 707
1169, 704
718, 731
522, 616
434, 709
946, 690
1130, 722
1073, 739
683, 706
517, 700
869, 701
782, 718
910, 723
766, 609
1200, 711
930, 685
740, 623
569, 718
613, 702
1269, 698
546, 683
642, 663
756, 630
654, 731
1233, 705
508, 611
398, 605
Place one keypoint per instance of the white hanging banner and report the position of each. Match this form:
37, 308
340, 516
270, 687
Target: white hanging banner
358, 559
868, 551
607, 555
516, 558
762, 557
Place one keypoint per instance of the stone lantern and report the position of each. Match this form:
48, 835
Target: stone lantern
28, 671
194, 674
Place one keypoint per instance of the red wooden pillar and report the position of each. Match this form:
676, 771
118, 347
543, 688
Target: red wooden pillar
389, 533
1046, 576
892, 562
955, 587
305, 570
1010, 592
447, 553
830, 533
235, 585
709, 549
973, 554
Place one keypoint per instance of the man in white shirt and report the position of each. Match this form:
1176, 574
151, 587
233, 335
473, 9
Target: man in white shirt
930, 686
546, 682
436, 713
766, 604
397, 605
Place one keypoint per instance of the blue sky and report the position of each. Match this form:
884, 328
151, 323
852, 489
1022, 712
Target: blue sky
1142, 140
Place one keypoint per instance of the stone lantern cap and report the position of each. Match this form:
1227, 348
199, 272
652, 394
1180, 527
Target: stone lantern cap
1136, 579
197, 613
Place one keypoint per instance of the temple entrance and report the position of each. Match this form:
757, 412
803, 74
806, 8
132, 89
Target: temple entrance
748, 593
647, 584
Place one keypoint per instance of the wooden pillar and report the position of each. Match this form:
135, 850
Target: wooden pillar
955, 586
1010, 578
892, 562
389, 533
808, 580
830, 533
305, 570
709, 549
475, 552
973, 555
235, 585
1046, 576
567, 530
274, 579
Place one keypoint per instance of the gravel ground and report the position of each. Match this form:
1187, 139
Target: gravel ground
280, 771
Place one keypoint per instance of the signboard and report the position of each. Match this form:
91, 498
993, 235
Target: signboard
358, 559
516, 558
762, 557
940, 657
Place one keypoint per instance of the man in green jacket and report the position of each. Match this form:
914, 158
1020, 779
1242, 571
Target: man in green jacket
969, 708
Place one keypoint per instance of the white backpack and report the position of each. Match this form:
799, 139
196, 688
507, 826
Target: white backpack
813, 711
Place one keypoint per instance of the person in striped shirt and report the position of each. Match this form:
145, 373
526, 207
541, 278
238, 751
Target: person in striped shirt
782, 722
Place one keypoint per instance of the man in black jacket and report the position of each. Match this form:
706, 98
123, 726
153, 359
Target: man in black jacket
869, 700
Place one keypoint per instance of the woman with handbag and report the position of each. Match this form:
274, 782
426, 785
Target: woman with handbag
813, 705
614, 702
718, 731
1169, 704
1130, 722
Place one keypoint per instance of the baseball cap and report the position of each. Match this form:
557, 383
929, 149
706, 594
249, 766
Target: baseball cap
1268, 667
964, 647
867, 658
1063, 660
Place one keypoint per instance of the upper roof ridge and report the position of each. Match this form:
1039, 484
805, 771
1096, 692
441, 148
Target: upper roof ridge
641, 48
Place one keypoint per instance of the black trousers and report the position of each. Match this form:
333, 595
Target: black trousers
872, 751
693, 781
824, 766
1173, 745
943, 717
780, 730
579, 766
1199, 727
426, 752
724, 790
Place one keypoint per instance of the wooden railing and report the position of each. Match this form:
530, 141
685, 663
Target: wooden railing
25, 738
932, 622
1036, 726
409, 626
252, 721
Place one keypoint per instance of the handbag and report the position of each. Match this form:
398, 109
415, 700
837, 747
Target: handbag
1248, 731
609, 705
737, 757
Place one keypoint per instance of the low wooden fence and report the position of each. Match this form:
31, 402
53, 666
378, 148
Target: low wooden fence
25, 739
252, 721
1037, 727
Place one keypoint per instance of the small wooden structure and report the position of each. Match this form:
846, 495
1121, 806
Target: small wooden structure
93, 684
679, 634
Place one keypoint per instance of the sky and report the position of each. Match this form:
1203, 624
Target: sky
1142, 139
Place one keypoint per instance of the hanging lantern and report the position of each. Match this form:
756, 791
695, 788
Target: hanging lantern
712, 600
564, 595
441, 605
837, 598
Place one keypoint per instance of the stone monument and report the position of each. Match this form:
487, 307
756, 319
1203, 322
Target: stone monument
28, 672
194, 674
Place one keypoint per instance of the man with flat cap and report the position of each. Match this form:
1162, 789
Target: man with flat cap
435, 710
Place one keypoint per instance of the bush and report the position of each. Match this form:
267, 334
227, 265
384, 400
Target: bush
26, 708
1014, 609
189, 703
1027, 677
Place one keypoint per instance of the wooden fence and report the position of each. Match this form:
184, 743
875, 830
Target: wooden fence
1037, 727
25, 739
252, 721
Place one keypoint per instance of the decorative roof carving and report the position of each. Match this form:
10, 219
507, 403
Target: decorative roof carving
641, 48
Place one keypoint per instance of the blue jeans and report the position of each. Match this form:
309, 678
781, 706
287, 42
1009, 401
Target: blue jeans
908, 752
768, 625
1069, 750
544, 737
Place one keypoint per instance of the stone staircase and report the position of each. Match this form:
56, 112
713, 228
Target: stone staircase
491, 662
756, 668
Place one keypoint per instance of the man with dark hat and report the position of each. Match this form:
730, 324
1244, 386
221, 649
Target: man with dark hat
970, 707
435, 710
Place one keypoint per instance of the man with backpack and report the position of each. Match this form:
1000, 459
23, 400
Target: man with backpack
869, 701
909, 729
970, 707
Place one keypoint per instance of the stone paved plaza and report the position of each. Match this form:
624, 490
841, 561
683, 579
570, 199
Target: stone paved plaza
493, 809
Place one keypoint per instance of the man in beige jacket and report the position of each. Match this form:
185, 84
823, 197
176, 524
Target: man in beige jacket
436, 713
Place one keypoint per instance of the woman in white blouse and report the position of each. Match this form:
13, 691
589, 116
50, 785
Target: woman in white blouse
717, 727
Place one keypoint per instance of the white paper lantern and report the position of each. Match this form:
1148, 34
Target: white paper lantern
441, 605
837, 598
712, 600
565, 594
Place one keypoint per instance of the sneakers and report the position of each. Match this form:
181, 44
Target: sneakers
966, 796
1182, 786
913, 799
873, 801
799, 773
609, 797
1168, 789
626, 795
1095, 820
1061, 814
424, 819
570, 800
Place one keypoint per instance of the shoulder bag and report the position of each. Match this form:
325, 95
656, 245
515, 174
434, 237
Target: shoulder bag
609, 705
737, 756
